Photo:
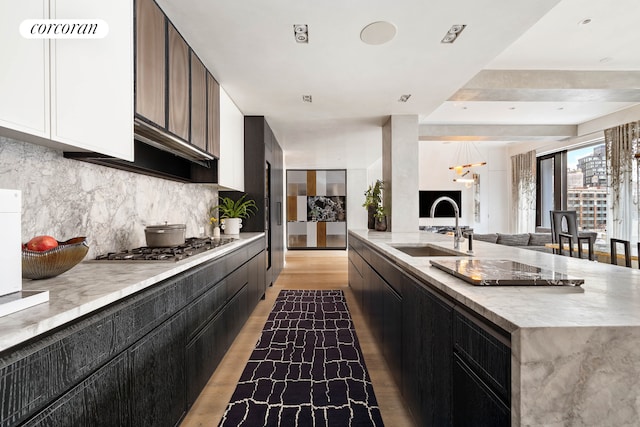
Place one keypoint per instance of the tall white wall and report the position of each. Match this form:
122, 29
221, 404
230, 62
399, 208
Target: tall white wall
356, 184
495, 189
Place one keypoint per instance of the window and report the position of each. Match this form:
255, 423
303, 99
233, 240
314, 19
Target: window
574, 180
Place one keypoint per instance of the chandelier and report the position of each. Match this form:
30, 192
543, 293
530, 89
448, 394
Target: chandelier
468, 157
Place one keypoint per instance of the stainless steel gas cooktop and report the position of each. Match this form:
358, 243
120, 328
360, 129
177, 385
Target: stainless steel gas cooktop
191, 246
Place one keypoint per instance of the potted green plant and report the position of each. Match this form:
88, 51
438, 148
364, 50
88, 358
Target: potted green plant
373, 200
380, 219
232, 212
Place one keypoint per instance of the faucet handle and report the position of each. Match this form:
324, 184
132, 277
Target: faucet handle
470, 237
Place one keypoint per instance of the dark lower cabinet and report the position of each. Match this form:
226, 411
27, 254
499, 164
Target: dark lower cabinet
474, 403
141, 361
208, 347
427, 354
453, 367
392, 331
158, 375
204, 354
100, 400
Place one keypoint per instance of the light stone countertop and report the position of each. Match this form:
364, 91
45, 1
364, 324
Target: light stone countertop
92, 285
610, 295
575, 351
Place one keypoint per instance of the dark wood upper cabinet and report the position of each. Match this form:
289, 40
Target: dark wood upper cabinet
178, 102
198, 103
150, 62
213, 116
173, 89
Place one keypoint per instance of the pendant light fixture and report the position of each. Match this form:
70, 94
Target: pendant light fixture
468, 157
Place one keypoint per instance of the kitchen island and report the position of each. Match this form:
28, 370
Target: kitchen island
127, 342
572, 353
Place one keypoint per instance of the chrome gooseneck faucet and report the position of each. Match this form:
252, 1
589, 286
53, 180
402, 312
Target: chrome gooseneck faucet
457, 237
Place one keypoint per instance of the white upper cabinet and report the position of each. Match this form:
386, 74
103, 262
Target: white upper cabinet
92, 80
231, 164
24, 74
69, 93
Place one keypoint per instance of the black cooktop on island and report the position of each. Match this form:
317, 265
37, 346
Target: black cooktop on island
504, 272
191, 246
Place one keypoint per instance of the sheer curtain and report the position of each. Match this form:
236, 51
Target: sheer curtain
622, 170
523, 191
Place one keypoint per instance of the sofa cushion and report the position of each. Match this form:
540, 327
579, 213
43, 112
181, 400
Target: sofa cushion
491, 237
513, 239
539, 239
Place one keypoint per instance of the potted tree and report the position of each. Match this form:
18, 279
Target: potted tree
372, 201
232, 212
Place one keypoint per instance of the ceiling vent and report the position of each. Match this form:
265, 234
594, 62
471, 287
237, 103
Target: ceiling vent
301, 33
307, 98
453, 33
404, 98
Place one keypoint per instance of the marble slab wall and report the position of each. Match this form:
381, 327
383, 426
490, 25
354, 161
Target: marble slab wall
67, 198
577, 376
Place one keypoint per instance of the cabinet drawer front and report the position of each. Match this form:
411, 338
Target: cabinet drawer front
473, 402
41, 373
487, 353
208, 305
156, 361
356, 260
101, 400
204, 353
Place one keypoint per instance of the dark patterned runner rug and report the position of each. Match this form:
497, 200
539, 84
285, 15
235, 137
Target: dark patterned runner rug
307, 368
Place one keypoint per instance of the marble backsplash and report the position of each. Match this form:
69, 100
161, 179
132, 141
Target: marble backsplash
67, 198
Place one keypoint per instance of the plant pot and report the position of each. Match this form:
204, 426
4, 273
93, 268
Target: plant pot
231, 225
381, 224
371, 219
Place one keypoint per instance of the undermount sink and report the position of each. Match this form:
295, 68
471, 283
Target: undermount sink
426, 250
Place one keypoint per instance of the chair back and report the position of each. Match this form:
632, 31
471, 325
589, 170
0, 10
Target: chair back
564, 222
626, 248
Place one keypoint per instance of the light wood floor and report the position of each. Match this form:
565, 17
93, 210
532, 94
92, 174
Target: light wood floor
303, 270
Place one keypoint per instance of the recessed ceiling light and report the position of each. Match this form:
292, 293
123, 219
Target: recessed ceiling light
301, 33
560, 108
453, 33
378, 33
585, 21
512, 108
306, 98
606, 59
404, 98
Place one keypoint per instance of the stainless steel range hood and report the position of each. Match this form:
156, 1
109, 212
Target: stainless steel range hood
162, 140
159, 154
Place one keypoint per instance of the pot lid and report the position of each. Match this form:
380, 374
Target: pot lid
166, 226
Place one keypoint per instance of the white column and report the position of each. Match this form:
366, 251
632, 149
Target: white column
400, 171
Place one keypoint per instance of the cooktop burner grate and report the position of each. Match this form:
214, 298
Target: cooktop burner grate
191, 246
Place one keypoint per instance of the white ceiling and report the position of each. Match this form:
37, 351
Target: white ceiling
517, 63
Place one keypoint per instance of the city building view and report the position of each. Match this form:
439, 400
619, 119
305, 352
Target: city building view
587, 188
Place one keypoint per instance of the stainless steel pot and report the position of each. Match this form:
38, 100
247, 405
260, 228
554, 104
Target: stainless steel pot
165, 235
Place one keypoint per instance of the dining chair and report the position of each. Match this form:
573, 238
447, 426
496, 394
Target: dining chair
566, 222
626, 245
569, 238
